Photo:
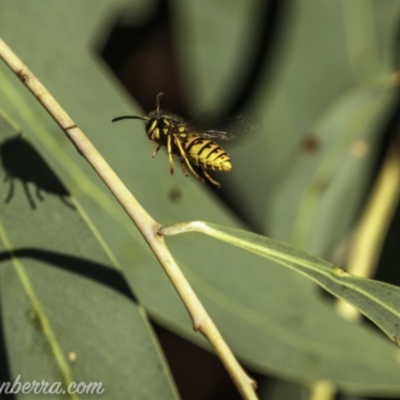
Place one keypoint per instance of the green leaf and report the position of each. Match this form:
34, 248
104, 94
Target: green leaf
319, 187
61, 321
378, 301
278, 321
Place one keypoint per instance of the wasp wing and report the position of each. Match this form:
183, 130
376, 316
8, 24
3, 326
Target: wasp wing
218, 135
238, 126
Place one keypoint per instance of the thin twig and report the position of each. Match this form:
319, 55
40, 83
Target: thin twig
374, 224
147, 226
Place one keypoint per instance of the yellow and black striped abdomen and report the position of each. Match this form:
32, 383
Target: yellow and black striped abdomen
206, 153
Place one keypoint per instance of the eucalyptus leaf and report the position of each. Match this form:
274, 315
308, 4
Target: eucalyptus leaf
67, 314
378, 301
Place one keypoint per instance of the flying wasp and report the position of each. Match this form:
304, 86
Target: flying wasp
193, 146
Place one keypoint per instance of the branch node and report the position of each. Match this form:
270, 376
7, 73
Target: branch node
198, 325
22, 75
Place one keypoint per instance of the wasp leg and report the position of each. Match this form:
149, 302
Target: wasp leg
156, 147
169, 150
184, 157
183, 167
213, 181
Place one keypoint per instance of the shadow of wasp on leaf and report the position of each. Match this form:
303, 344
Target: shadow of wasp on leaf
21, 161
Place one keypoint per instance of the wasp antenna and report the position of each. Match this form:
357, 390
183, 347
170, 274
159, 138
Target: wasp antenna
158, 98
129, 117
